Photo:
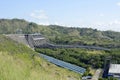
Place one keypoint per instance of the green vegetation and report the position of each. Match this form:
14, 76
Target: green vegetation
110, 78
89, 59
80, 57
83, 57
62, 35
18, 62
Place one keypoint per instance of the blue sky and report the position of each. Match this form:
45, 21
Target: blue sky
97, 14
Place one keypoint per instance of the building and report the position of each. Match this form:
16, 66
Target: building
114, 70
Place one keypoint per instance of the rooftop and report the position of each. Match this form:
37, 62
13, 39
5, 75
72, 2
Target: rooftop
114, 68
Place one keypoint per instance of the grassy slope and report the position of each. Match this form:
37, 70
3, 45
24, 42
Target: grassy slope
18, 62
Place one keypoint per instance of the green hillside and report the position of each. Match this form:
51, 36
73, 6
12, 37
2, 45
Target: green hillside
18, 62
83, 57
62, 35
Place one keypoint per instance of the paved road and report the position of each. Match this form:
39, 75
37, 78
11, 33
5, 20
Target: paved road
97, 74
37, 40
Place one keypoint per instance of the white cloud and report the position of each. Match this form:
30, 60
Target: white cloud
101, 15
118, 3
44, 23
39, 11
39, 14
112, 25
116, 22
40, 17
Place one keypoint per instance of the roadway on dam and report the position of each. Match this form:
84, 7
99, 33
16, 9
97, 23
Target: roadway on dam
48, 45
44, 44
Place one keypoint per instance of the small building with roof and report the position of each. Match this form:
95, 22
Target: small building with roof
114, 70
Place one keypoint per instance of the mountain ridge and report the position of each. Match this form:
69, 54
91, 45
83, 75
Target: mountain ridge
61, 34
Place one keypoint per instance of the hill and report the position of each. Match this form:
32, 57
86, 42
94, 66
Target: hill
62, 35
18, 62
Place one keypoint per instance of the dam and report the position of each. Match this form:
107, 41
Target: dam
39, 41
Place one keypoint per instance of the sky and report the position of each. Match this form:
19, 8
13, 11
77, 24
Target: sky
97, 14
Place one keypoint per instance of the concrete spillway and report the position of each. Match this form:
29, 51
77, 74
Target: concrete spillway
64, 64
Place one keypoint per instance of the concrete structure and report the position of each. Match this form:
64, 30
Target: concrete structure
66, 65
114, 70
38, 41
31, 40
106, 67
19, 38
35, 40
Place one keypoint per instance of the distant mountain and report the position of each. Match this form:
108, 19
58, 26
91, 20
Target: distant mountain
62, 35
